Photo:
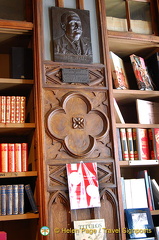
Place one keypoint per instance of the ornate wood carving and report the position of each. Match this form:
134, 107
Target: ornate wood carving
74, 140
53, 75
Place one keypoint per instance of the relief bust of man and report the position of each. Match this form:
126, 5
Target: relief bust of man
72, 42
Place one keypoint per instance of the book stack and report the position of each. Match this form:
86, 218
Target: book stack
12, 109
12, 199
138, 144
13, 157
140, 192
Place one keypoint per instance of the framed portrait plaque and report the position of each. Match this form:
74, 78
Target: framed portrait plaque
71, 35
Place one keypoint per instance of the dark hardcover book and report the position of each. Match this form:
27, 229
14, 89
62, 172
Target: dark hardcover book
31, 198
140, 222
152, 63
21, 199
15, 199
21, 63
119, 145
9, 197
3, 199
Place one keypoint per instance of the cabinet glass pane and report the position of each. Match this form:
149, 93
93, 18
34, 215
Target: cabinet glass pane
116, 15
140, 17
12, 10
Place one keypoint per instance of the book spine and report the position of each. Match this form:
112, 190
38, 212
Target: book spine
130, 143
3, 235
124, 144
3, 198
24, 157
17, 109
11, 157
156, 133
18, 165
8, 100
22, 109
15, 199
136, 157
0, 200
21, 199
31, 198
3, 118
143, 148
9, 199
4, 157
12, 109
151, 143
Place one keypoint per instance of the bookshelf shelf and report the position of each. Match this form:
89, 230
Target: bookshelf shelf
19, 27
19, 217
16, 129
18, 174
138, 163
128, 96
136, 125
155, 212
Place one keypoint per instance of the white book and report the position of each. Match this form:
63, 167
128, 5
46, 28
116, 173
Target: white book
138, 193
135, 193
128, 197
147, 112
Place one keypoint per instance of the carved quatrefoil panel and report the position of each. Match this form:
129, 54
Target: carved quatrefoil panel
76, 124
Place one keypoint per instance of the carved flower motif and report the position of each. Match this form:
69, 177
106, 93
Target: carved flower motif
76, 124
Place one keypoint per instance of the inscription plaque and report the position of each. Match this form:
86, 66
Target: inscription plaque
75, 75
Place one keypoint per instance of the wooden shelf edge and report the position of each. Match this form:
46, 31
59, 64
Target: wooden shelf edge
18, 174
133, 36
19, 217
15, 25
138, 163
129, 91
16, 81
136, 125
155, 212
17, 125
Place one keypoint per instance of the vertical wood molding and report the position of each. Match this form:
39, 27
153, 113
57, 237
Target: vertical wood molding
80, 4
59, 3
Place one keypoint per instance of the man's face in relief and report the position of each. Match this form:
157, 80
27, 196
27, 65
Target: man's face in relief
73, 28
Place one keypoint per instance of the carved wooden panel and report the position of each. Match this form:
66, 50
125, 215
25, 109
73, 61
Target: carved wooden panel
59, 199
53, 75
77, 124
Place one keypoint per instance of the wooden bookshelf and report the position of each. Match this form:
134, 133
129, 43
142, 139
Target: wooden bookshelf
19, 217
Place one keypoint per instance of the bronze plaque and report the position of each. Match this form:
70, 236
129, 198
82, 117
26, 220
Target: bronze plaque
75, 75
71, 35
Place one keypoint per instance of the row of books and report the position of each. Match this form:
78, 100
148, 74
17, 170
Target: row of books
145, 76
12, 109
12, 200
13, 157
140, 192
138, 143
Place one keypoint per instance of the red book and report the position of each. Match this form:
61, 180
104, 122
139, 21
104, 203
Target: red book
11, 157
4, 157
17, 109
22, 109
130, 143
24, 148
12, 109
8, 100
18, 165
143, 146
3, 109
3, 235
156, 133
